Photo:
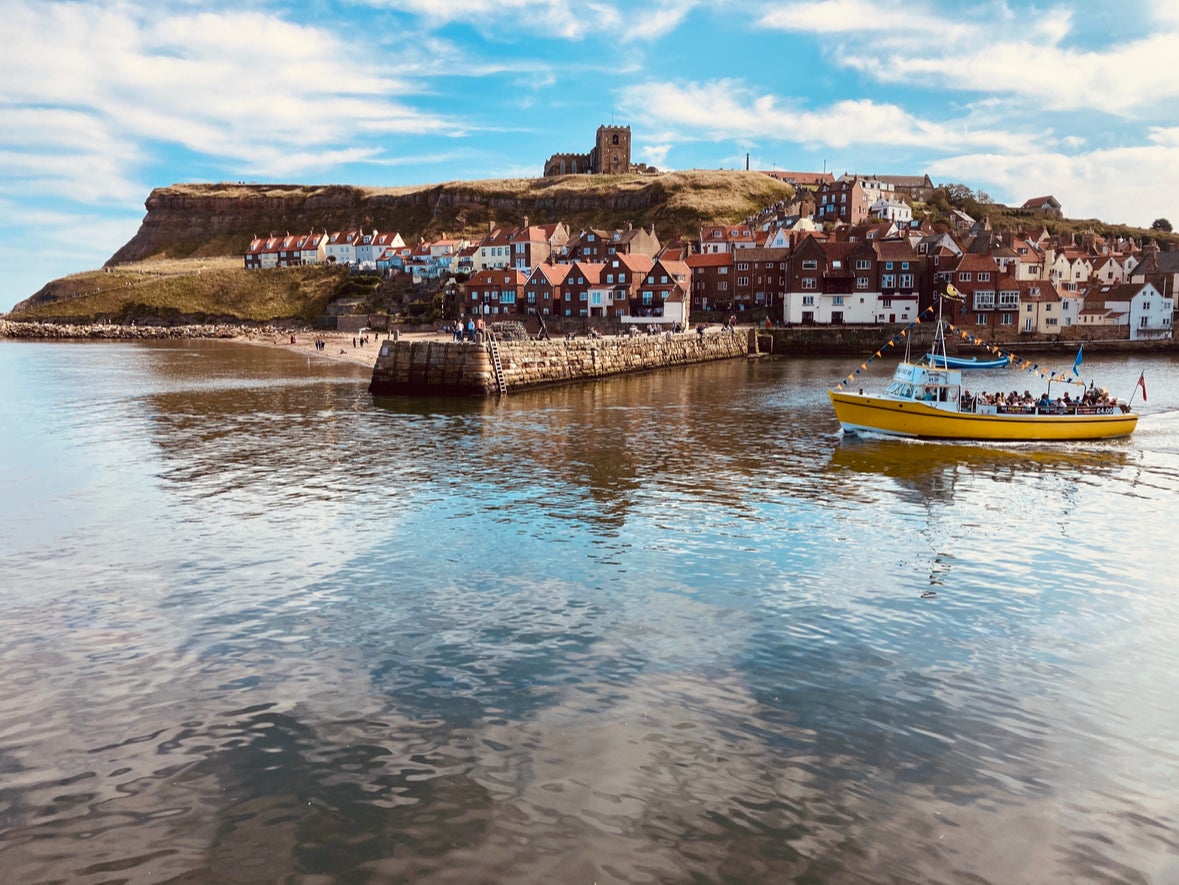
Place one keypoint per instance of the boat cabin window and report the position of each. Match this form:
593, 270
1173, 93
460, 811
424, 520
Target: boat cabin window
930, 393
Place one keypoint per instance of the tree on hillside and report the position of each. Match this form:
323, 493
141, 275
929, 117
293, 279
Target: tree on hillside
1161, 224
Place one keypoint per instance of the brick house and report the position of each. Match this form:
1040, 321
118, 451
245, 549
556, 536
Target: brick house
820, 282
573, 300
712, 286
544, 287
976, 277
759, 277
494, 291
666, 281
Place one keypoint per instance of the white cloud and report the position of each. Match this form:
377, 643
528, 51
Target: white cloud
656, 20
655, 154
1105, 184
89, 89
731, 110
563, 19
994, 50
874, 17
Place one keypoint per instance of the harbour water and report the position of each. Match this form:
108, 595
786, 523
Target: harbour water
258, 626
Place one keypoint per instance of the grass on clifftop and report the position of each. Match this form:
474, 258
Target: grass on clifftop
197, 289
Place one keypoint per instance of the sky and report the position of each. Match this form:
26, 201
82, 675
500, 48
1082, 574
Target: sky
103, 100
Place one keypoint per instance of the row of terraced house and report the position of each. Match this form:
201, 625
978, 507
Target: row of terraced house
782, 267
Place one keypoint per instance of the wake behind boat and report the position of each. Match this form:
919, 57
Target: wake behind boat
927, 400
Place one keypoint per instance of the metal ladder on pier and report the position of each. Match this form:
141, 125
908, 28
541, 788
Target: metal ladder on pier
497, 365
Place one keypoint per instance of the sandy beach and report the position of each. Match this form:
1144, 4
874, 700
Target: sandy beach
339, 346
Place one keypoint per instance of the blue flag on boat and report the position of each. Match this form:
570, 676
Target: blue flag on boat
1077, 362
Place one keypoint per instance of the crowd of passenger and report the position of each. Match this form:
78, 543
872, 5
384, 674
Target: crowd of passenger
1015, 402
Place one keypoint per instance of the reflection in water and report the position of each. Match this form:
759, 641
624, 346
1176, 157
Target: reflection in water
260, 626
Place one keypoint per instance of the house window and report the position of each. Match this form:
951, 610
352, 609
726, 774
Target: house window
904, 265
888, 281
836, 263
609, 278
863, 264
888, 265
980, 319
906, 281
507, 297
532, 298
1006, 319
743, 266
984, 300
837, 301
742, 281
808, 283
808, 300
861, 282
810, 264
1008, 299
722, 270
964, 277
984, 277
581, 296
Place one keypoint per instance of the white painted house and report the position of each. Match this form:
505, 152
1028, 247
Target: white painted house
341, 247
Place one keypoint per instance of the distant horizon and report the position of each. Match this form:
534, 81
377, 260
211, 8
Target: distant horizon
103, 104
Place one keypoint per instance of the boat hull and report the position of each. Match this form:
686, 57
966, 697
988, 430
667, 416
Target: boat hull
955, 362
858, 413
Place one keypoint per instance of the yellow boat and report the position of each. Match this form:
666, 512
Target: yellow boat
926, 400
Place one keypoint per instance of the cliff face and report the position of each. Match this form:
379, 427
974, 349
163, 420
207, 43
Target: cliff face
192, 220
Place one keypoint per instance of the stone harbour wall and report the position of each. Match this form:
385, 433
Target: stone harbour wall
454, 368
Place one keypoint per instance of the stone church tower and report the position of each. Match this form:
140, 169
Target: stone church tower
612, 152
610, 156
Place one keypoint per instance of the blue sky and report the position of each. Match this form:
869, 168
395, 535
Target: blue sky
102, 101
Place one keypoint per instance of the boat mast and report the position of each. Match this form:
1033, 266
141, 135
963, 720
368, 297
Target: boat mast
938, 348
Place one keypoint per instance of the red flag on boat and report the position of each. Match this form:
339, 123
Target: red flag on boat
1142, 384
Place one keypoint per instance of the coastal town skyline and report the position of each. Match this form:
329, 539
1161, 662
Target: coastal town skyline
105, 103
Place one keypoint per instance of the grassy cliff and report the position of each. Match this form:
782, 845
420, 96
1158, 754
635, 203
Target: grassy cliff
190, 226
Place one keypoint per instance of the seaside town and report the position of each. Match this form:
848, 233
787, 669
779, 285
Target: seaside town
847, 250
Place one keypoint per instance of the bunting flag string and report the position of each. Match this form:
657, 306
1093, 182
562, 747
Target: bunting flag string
892, 342
1013, 361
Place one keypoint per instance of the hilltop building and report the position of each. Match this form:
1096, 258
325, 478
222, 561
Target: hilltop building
610, 156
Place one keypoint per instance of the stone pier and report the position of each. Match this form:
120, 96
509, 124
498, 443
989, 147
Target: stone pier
468, 369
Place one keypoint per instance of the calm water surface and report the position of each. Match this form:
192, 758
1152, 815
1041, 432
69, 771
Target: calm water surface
260, 627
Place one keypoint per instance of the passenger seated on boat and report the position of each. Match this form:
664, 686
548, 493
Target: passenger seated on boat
929, 395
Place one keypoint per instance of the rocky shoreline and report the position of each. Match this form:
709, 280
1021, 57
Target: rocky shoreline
115, 331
